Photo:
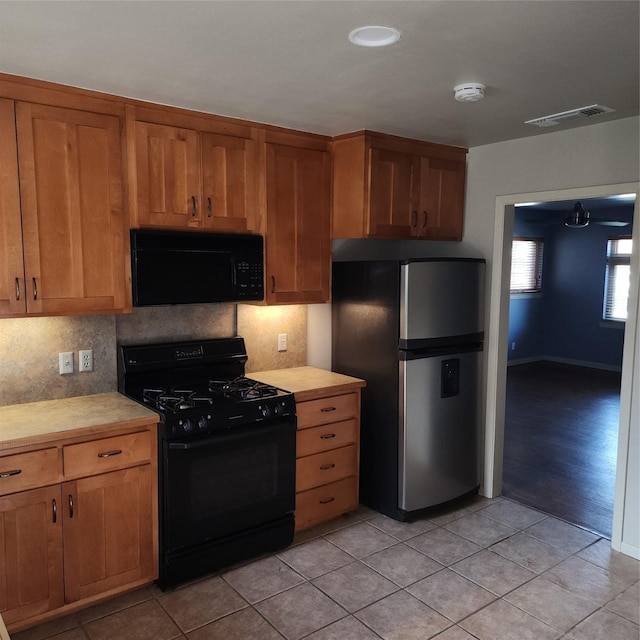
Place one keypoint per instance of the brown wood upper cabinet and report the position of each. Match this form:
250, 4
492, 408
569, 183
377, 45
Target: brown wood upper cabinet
191, 172
298, 201
62, 222
390, 187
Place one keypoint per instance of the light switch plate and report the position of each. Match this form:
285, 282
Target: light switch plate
65, 362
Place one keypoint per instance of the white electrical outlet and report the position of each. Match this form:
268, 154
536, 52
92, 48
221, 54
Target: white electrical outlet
282, 342
85, 360
513, 346
65, 362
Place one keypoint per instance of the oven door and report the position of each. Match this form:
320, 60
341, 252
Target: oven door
227, 483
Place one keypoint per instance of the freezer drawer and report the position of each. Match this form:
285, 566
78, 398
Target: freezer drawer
438, 428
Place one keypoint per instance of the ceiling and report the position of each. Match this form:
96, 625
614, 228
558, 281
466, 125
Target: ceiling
290, 63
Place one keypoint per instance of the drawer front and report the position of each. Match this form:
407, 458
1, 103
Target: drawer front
326, 467
97, 456
326, 437
315, 412
28, 470
323, 503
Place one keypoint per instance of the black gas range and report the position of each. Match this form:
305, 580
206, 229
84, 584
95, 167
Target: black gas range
226, 453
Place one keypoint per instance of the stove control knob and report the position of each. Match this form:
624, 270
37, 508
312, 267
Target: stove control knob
203, 422
277, 410
186, 425
265, 410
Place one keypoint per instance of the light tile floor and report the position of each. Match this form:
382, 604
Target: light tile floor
489, 570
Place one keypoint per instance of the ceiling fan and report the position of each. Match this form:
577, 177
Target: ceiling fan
578, 218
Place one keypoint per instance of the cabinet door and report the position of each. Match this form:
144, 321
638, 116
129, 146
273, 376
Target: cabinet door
72, 210
392, 212
31, 559
167, 176
441, 208
228, 182
298, 209
12, 293
108, 531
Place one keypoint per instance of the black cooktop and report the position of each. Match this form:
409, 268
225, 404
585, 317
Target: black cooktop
199, 386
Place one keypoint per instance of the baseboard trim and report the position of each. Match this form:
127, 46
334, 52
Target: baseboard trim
575, 363
630, 550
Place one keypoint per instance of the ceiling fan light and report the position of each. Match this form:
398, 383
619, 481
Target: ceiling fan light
579, 217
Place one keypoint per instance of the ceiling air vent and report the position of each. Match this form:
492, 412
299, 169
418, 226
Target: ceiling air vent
574, 114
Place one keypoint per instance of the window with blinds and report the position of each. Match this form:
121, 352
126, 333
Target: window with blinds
616, 282
526, 265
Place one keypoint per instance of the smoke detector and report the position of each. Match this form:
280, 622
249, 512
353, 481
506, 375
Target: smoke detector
573, 114
469, 92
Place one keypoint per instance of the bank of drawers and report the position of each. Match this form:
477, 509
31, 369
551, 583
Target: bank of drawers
51, 465
327, 458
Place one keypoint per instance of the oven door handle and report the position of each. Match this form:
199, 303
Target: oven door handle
232, 434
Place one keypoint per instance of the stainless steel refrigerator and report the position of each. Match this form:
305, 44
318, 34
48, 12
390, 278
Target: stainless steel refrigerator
413, 329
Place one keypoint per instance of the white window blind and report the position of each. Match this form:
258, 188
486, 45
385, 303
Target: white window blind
616, 285
526, 265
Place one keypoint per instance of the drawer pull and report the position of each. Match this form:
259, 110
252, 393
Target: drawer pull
326, 500
35, 289
8, 474
70, 506
327, 436
55, 511
17, 288
109, 454
327, 409
194, 207
326, 467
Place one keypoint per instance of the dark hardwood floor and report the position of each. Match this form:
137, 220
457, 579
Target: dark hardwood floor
561, 439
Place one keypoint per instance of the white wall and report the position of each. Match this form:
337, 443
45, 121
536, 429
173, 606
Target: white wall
584, 159
579, 158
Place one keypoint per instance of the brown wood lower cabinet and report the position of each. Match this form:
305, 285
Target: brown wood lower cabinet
106, 539
327, 458
90, 534
31, 558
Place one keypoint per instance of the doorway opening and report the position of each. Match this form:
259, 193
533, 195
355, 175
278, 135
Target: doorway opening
564, 359
497, 352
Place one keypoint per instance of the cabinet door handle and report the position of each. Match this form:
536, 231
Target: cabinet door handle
327, 409
55, 510
327, 436
109, 454
70, 506
209, 208
8, 474
424, 219
35, 289
17, 288
273, 284
194, 207
414, 219
326, 500
326, 467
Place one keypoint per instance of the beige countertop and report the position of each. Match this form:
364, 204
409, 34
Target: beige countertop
308, 383
35, 422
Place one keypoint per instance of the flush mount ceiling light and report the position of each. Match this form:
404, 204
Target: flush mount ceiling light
374, 36
469, 92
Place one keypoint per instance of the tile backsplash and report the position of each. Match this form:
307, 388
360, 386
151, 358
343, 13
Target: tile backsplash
29, 347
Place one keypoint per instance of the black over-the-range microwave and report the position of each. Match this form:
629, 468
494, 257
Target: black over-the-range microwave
182, 267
